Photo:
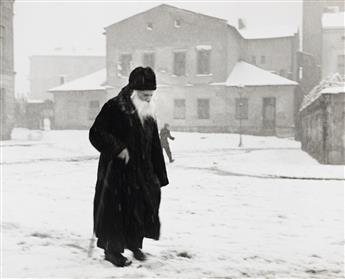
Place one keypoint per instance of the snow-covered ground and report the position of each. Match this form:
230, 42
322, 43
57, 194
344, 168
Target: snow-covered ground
264, 210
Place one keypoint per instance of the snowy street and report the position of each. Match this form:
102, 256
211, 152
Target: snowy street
265, 210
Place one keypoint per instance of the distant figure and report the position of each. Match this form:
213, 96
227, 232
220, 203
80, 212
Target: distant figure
165, 134
131, 170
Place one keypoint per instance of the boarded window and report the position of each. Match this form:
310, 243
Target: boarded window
180, 63
179, 109
93, 109
125, 64
149, 59
203, 108
341, 64
241, 108
204, 56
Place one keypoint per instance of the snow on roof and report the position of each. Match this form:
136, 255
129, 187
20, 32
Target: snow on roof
94, 81
333, 84
268, 32
333, 20
34, 101
245, 74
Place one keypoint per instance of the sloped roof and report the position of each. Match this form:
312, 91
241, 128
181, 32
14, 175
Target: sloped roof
251, 32
245, 74
94, 81
170, 7
333, 20
333, 84
268, 32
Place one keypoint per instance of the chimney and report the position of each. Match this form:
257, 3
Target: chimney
241, 24
62, 79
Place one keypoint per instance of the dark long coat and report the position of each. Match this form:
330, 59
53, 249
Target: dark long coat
127, 197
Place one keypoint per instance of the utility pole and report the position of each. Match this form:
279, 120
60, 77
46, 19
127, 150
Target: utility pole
241, 88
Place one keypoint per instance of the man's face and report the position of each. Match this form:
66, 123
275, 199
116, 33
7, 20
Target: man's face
145, 95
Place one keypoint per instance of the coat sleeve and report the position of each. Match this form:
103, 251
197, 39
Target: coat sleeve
170, 136
101, 137
158, 158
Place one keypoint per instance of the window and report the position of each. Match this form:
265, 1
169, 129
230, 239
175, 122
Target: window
180, 63
203, 57
343, 38
93, 109
177, 23
241, 108
254, 60
203, 108
149, 59
179, 109
341, 64
125, 64
263, 59
149, 26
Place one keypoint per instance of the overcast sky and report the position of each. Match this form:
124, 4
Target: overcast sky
44, 27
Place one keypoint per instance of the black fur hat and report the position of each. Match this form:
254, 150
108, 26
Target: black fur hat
142, 79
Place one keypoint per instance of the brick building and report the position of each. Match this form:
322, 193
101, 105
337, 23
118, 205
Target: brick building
7, 74
193, 56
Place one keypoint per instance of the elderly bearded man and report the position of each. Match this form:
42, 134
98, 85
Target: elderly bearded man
131, 170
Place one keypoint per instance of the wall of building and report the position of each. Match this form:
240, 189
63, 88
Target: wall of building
195, 30
312, 25
72, 108
46, 70
131, 36
223, 107
7, 78
277, 61
323, 129
333, 42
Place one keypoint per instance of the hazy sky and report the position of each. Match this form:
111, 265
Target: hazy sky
40, 27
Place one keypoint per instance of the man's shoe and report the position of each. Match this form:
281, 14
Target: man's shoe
117, 259
172, 160
139, 255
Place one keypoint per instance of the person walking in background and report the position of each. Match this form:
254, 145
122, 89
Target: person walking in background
131, 170
165, 135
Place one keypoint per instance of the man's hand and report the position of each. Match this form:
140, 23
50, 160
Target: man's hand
124, 155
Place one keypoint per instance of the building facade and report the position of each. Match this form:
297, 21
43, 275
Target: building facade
192, 65
312, 39
77, 103
333, 44
7, 74
48, 71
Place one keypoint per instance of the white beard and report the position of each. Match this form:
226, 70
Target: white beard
144, 109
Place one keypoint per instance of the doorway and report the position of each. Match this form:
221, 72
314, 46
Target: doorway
269, 116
